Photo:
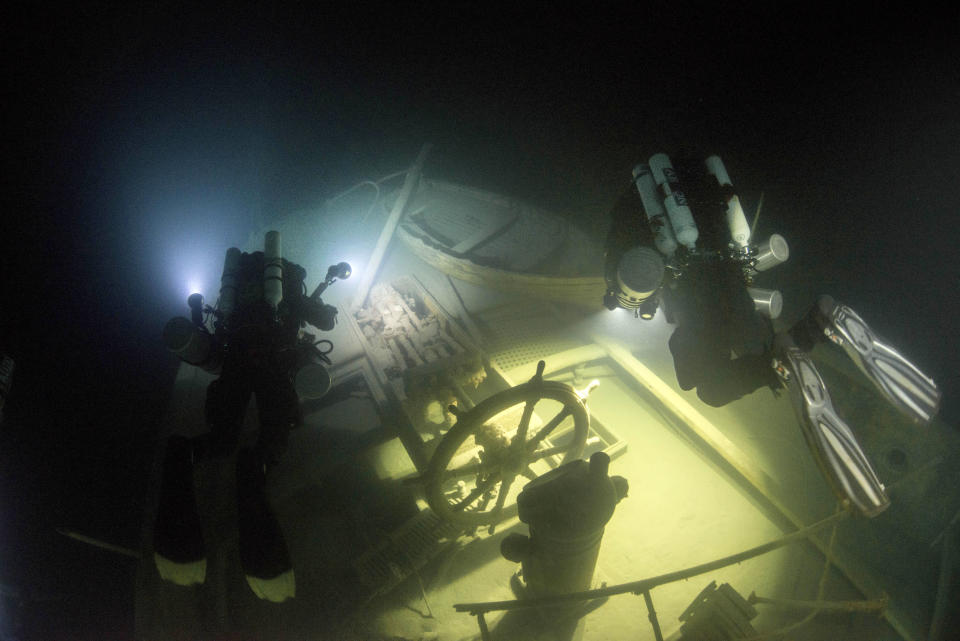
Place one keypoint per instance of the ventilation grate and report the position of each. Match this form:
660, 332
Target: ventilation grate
524, 335
403, 552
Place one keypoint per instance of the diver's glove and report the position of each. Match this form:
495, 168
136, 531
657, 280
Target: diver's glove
900, 381
831, 441
320, 315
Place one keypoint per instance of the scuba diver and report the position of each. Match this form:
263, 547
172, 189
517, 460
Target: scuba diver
258, 347
701, 271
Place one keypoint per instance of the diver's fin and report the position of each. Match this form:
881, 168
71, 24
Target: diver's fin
185, 573
264, 556
277, 590
831, 441
900, 381
177, 533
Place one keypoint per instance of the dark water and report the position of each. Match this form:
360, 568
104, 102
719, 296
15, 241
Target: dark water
140, 144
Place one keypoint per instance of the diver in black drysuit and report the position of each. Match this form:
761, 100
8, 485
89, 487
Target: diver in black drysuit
711, 309
725, 349
261, 350
721, 344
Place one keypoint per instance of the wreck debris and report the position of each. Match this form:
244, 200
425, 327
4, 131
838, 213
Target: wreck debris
417, 352
401, 333
718, 613
433, 394
498, 441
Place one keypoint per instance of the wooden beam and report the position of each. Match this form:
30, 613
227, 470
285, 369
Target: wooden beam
703, 429
89, 540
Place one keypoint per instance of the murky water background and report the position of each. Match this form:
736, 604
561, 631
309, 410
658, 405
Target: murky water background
144, 144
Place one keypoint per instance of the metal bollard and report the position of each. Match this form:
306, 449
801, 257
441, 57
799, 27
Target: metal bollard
566, 510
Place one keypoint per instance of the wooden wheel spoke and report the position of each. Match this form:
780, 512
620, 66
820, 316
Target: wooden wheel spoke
474, 494
485, 478
550, 451
524, 422
484, 502
467, 470
502, 496
549, 427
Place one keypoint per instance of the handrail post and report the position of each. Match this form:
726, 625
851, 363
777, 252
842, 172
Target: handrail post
652, 616
484, 631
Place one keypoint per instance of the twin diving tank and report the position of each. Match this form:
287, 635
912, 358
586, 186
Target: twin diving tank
672, 223
272, 275
190, 339
193, 343
665, 204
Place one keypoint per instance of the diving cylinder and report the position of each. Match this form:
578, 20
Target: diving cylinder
312, 380
674, 201
771, 253
656, 215
768, 302
272, 269
192, 344
736, 219
229, 280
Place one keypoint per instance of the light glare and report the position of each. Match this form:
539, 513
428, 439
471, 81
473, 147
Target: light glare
194, 287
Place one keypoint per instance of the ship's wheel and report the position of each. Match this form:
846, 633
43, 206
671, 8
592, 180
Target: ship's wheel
481, 464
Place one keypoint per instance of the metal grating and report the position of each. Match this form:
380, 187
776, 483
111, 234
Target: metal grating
403, 552
524, 334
